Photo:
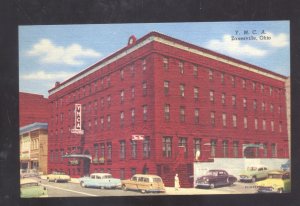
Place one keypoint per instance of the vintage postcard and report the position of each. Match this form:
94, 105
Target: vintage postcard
154, 109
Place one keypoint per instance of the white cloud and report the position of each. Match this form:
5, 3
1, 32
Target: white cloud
42, 75
234, 47
279, 40
54, 54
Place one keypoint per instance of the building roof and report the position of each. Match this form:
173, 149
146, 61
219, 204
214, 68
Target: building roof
33, 127
155, 36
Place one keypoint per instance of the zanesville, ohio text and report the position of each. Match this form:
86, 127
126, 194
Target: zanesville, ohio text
261, 37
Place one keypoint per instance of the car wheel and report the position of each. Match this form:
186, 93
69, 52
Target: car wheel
143, 191
280, 190
48, 179
253, 179
55, 180
124, 187
102, 187
212, 186
82, 184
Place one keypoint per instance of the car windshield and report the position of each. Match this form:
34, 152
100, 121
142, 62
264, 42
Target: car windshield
58, 173
212, 173
106, 177
275, 176
251, 168
31, 184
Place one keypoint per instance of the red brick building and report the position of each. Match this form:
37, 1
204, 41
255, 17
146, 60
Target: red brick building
180, 97
33, 108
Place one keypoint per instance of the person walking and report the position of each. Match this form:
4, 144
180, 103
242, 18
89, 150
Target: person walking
176, 182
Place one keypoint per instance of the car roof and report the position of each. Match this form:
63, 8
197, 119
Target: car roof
146, 175
27, 180
96, 173
278, 172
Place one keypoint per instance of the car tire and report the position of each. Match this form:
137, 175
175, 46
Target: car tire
212, 186
124, 187
55, 180
253, 179
280, 190
143, 191
48, 179
102, 187
82, 184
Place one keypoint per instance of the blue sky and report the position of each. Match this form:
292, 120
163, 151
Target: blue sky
50, 53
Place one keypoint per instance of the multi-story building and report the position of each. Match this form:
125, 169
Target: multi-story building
33, 108
34, 147
180, 99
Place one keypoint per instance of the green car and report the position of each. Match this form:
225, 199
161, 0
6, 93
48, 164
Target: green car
254, 173
277, 182
31, 188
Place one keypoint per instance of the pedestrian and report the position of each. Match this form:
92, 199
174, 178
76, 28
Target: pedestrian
176, 182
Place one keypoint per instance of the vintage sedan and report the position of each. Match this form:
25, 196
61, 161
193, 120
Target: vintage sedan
277, 182
215, 178
31, 188
100, 180
254, 173
58, 177
144, 183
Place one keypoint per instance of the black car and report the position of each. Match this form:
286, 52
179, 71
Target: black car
215, 178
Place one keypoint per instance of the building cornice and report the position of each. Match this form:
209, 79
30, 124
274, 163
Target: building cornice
33, 127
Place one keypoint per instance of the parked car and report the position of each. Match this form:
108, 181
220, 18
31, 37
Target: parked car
286, 166
144, 183
58, 177
100, 180
215, 178
31, 188
254, 173
277, 182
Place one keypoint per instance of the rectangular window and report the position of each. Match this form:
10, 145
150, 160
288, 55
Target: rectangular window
145, 88
225, 148
108, 100
196, 116
102, 122
108, 121
279, 109
222, 78
96, 151
146, 147
254, 104
122, 96
109, 151
271, 108
213, 145
235, 149
195, 71
233, 100
167, 111
233, 81
211, 96
272, 126
122, 119
223, 98
181, 88
102, 150
253, 86
244, 83
245, 123
132, 93
122, 74
165, 63
264, 124
274, 150
183, 143
166, 87
210, 74
182, 114
262, 88
245, 102
256, 123
263, 106
132, 115
265, 148
144, 65
197, 147
95, 105
196, 93
271, 91
122, 173
122, 150
167, 147
108, 81
234, 120
181, 69
224, 119
212, 118
145, 111
102, 102
280, 126
133, 149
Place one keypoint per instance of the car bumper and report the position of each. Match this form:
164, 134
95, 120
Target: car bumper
202, 184
266, 190
156, 190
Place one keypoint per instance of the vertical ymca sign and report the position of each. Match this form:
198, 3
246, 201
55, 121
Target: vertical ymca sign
77, 128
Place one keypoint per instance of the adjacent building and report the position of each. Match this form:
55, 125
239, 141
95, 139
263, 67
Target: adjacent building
158, 104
